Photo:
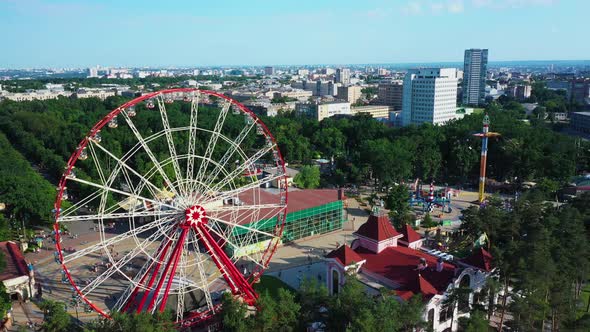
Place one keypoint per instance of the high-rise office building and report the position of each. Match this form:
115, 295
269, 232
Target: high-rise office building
474, 76
343, 76
429, 95
269, 71
390, 94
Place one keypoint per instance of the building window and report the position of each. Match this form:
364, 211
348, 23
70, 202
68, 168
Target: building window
335, 282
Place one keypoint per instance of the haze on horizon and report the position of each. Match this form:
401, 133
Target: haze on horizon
66, 33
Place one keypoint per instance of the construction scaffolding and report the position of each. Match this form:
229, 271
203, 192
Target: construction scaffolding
300, 224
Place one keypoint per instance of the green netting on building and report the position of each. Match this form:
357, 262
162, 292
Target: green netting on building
299, 224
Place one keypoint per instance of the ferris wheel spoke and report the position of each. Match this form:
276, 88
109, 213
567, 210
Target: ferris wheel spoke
192, 140
123, 166
78, 205
203, 274
150, 154
115, 239
138, 214
232, 276
96, 163
117, 191
225, 238
211, 146
250, 229
238, 171
182, 281
235, 146
252, 185
117, 266
170, 141
245, 207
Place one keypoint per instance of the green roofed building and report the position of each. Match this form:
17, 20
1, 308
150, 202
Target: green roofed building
309, 212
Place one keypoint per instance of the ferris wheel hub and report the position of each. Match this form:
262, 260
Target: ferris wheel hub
195, 215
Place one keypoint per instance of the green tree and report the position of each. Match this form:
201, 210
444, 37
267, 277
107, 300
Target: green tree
122, 322
233, 314
308, 177
476, 322
55, 316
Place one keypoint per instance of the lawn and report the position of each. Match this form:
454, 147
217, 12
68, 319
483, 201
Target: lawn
584, 298
272, 284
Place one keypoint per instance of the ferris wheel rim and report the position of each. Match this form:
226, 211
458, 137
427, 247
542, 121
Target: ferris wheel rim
86, 141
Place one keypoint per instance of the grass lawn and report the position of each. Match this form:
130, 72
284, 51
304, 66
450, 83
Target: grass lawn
584, 297
271, 284
478, 110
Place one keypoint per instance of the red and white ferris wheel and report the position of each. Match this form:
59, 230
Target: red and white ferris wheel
177, 211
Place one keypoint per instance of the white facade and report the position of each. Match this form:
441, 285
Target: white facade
429, 95
330, 109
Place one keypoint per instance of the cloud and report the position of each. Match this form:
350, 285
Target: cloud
412, 8
416, 7
504, 4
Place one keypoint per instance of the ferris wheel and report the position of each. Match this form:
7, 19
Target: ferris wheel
170, 189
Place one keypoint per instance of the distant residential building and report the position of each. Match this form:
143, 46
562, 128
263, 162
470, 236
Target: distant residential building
269, 71
326, 88
474, 76
343, 76
580, 121
429, 95
580, 91
349, 93
323, 110
296, 93
576, 90
92, 72
95, 93
520, 92
328, 71
303, 72
390, 94
376, 111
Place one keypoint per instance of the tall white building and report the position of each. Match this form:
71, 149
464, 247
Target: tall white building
474, 76
343, 76
429, 95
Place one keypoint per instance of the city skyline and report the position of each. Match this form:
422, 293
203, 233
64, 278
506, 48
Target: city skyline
82, 34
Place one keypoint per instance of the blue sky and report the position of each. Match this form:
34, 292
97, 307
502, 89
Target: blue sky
42, 33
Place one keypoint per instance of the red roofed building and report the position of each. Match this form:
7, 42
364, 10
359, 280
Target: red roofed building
410, 238
480, 259
16, 276
377, 233
380, 262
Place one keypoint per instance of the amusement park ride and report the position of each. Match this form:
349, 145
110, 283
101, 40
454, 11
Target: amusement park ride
484, 155
432, 199
175, 248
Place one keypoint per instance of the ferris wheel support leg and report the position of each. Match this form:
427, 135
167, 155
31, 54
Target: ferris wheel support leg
233, 277
173, 260
178, 254
131, 299
153, 277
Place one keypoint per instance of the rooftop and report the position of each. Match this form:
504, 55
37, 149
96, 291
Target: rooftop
15, 261
377, 228
399, 265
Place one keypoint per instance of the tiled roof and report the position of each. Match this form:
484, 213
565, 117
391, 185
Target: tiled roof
377, 228
15, 261
481, 259
399, 264
410, 235
345, 255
